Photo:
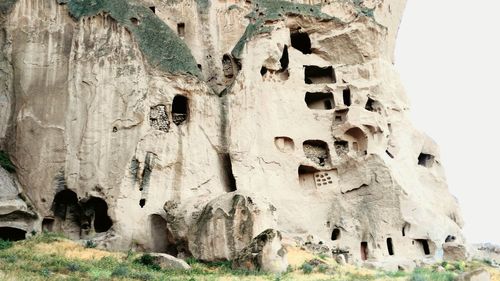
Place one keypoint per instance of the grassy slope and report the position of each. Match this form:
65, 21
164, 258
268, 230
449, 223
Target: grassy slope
52, 257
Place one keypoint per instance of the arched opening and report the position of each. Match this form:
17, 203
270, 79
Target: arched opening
181, 29
306, 176
424, 244
142, 202
301, 41
358, 140
67, 213
335, 234
390, 248
405, 229
317, 151
227, 66
48, 224
364, 250
162, 238
179, 109
12, 234
65, 204
96, 213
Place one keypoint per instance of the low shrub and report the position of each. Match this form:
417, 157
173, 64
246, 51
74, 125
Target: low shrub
5, 244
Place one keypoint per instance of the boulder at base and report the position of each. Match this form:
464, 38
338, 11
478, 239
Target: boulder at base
169, 262
264, 253
476, 275
454, 251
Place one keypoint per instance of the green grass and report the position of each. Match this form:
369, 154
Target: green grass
160, 44
27, 260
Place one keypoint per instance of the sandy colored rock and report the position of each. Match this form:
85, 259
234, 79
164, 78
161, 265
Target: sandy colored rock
264, 253
169, 262
476, 275
454, 252
270, 114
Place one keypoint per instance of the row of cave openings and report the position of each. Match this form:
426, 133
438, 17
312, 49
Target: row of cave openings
159, 118
77, 217
423, 244
319, 75
318, 151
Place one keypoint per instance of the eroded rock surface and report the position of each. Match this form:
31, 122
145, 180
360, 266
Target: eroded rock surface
264, 253
188, 127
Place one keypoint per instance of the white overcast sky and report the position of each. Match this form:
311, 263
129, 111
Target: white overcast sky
448, 56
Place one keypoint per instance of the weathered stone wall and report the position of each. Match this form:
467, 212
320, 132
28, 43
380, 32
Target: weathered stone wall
297, 104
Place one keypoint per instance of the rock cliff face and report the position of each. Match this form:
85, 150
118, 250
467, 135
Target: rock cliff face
189, 127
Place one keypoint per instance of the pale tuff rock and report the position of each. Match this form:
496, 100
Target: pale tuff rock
454, 252
169, 262
269, 114
476, 275
265, 252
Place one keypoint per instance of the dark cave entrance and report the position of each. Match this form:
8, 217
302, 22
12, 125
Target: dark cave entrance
12, 233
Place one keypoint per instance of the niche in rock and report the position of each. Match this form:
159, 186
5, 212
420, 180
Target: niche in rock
424, 244
227, 66
319, 75
301, 41
95, 214
227, 172
67, 213
48, 224
158, 118
284, 144
162, 238
153, 9
405, 229
426, 160
390, 247
364, 251
12, 234
358, 140
179, 109
341, 147
263, 71
284, 58
320, 101
374, 106
346, 94
306, 176
316, 151
181, 29
134, 21
341, 115
450, 238
335, 234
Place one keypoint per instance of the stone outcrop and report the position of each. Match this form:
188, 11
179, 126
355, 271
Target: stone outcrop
169, 262
454, 252
264, 253
476, 275
188, 127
